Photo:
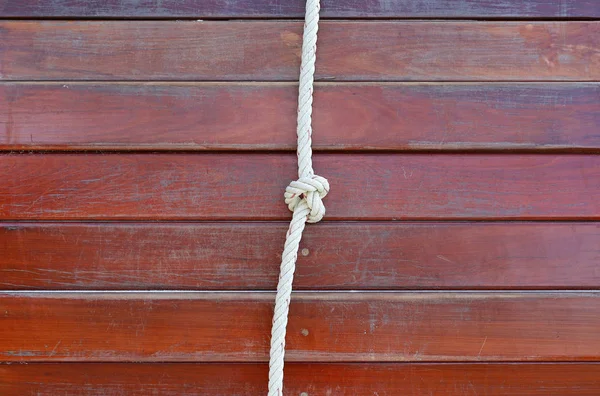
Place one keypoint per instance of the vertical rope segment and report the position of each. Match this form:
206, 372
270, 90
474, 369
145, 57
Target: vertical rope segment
303, 197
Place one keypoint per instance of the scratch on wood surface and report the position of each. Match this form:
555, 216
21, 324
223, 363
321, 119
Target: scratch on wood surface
53, 352
482, 345
445, 259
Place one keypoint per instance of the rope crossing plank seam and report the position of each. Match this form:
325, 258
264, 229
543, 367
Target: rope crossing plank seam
303, 197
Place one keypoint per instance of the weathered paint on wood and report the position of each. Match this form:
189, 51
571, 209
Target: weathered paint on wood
259, 50
159, 112
250, 116
190, 379
295, 8
250, 187
245, 256
326, 327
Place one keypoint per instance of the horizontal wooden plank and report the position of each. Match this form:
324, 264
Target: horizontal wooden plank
295, 9
247, 116
181, 379
323, 327
238, 256
250, 186
259, 50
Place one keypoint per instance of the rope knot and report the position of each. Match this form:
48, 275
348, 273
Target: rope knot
309, 189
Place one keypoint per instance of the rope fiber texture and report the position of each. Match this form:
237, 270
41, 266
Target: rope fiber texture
303, 197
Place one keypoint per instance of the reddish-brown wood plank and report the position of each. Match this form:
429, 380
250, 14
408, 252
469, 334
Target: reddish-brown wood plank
295, 8
259, 50
246, 116
237, 256
331, 327
181, 379
250, 186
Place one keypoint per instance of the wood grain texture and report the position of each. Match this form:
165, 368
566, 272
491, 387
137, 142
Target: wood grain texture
295, 8
323, 327
259, 50
250, 186
249, 116
185, 379
239, 256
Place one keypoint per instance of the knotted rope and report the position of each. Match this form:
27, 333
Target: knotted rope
303, 197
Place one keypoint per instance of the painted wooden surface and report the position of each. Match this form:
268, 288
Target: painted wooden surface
295, 8
328, 327
425, 278
184, 379
249, 187
251, 116
259, 50
245, 256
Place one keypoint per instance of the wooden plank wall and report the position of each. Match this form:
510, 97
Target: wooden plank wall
145, 147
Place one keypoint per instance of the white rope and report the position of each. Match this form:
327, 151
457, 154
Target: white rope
303, 197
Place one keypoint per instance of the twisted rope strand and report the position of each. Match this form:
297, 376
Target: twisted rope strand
303, 197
